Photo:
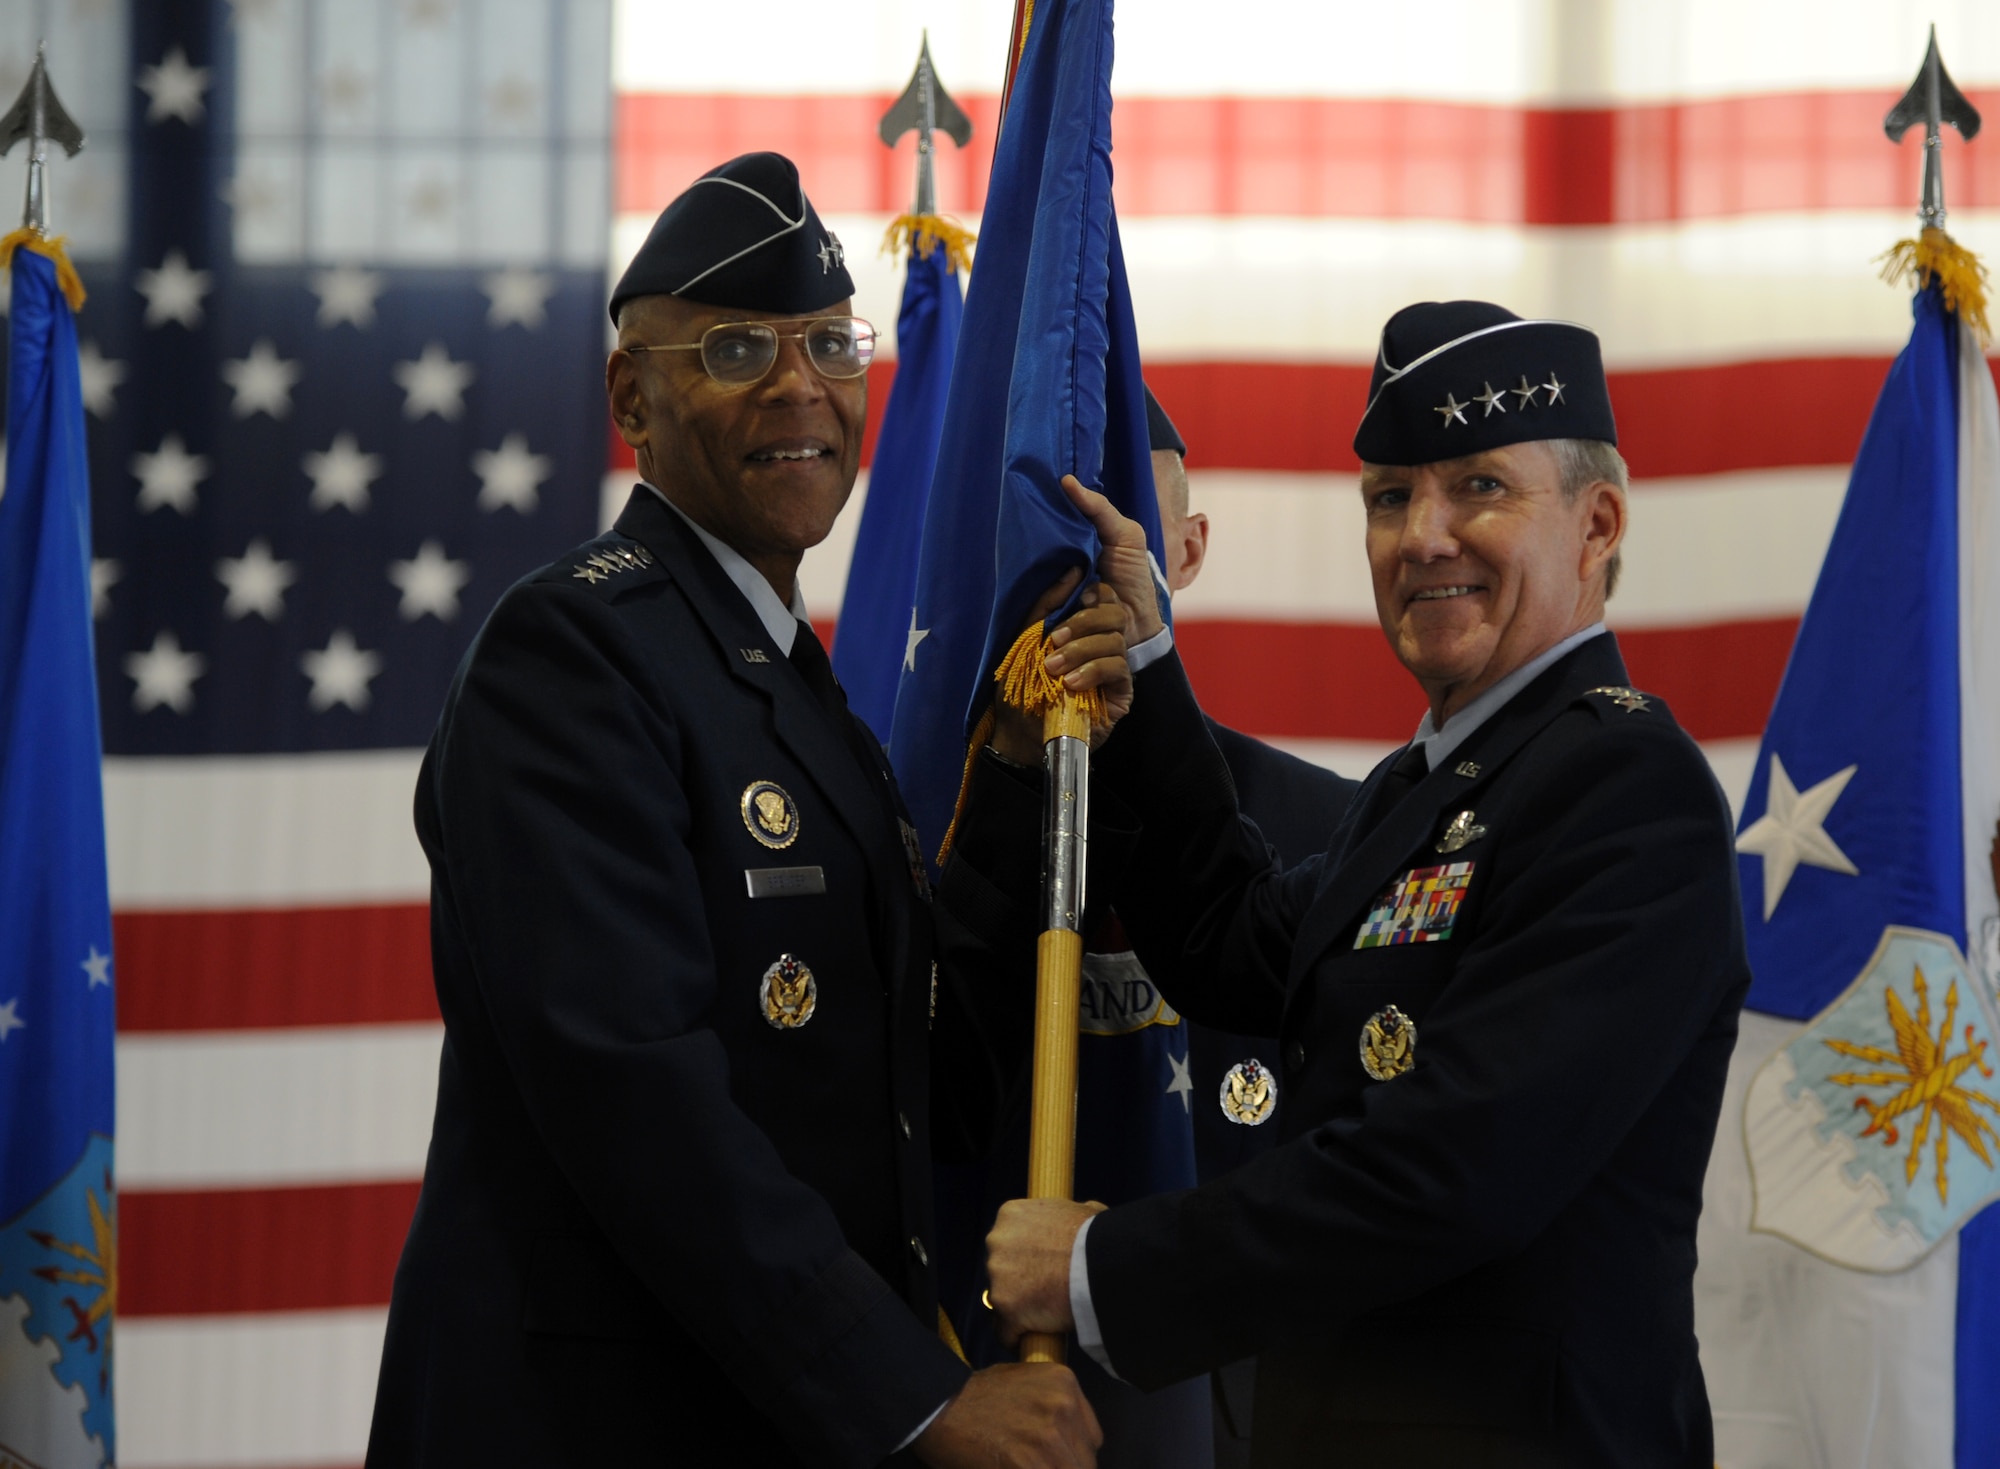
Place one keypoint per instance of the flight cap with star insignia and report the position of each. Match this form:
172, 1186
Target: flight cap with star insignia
742, 235
1460, 377
1160, 431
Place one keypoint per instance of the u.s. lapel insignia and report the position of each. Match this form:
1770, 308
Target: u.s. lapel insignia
1461, 833
1419, 907
1249, 1095
1388, 1044
770, 813
788, 994
1630, 700
1467, 768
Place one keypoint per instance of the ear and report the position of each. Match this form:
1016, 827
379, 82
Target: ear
1187, 551
621, 388
1603, 510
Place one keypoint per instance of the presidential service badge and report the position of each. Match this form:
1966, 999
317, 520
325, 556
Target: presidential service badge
1419, 907
1249, 1095
1388, 1044
788, 994
770, 813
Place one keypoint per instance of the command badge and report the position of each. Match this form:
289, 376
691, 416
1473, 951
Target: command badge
1419, 907
770, 813
788, 996
1248, 1093
1388, 1044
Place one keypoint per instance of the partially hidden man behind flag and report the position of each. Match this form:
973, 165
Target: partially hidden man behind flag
1849, 1292
878, 635
58, 1252
1046, 383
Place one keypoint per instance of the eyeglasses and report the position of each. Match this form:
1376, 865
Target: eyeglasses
739, 353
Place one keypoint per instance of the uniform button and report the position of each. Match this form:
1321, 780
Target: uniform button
903, 1122
917, 1249
1295, 1054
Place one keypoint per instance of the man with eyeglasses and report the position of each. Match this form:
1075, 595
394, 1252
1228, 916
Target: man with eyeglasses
703, 1026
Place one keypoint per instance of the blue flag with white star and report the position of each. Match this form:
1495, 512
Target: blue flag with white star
1870, 857
57, 1215
878, 636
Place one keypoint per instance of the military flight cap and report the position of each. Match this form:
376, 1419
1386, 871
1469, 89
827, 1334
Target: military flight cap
1160, 430
743, 235
1461, 377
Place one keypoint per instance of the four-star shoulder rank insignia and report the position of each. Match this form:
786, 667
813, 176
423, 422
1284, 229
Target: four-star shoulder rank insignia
788, 994
1388, 1044
770, 814
607, 561
1630, 700
1248, 1093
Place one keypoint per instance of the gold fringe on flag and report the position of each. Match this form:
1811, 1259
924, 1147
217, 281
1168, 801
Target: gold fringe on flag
925, 233
52, 247
1935, 255
1025, 684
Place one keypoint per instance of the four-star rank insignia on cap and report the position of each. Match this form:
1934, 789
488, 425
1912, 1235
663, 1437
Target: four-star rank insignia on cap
1388, 1044
1630, 700
1249, 1095
770, 813
607, 561
788, 994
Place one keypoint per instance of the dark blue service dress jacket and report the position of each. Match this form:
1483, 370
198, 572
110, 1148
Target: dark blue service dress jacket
656, 1227
1483, 1253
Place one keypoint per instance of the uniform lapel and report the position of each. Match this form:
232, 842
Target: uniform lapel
1373, 857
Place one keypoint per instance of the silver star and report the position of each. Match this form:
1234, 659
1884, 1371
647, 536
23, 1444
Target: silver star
9, 1019
433, 383
431, 201
340, 673
164, 674
168, 476
173, 292
831, 253
1526, 392
429, 583
346, 293
510, 475
1492, 401
263, 381
100, 377
257, 582
916, 635
1453, 409
341, 474
344, 86
517, 296
98, 968
1555, 390
1183, 1083
174, 87
1791, 831
105, 573
513, 97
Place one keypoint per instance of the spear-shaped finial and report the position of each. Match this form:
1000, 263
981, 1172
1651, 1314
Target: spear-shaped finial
38, 116
924, 108
1933, 101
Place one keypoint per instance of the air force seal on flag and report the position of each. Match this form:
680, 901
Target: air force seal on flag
1872, 1136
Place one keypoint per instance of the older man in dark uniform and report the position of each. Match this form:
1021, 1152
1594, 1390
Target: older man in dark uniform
1506, 993
677, 1204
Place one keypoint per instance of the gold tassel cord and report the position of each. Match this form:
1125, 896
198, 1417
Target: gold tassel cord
925, 233
52, 247
1935, 255
1025, 684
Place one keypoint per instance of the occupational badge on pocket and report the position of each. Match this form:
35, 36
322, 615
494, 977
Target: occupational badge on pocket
1388, 1044
1419, 907
1249, 1095
770, 813
788, 995
1462, 832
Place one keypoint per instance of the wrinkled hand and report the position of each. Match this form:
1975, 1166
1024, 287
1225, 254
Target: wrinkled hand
1123, 564
1027, 1263
1015, 1416
1087, 651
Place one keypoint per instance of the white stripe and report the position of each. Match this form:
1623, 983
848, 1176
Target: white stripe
263, 830
215, 1391
241, 1109
1979, 652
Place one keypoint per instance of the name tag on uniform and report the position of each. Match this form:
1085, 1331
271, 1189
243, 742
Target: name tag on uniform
784, 882
1419, 907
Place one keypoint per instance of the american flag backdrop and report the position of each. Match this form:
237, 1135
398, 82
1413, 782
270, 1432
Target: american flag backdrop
342, 354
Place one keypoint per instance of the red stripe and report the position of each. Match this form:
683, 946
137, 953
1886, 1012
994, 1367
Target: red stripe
260, 968
271, 1249
1352, 158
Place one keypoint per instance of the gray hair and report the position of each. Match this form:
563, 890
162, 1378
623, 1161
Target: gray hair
1583, 463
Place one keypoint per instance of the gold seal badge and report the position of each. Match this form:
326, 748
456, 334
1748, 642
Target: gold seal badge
770, 813
1388, 1044
788, 995
1249, 1095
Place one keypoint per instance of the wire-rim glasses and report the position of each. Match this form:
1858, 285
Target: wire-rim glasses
739, 353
